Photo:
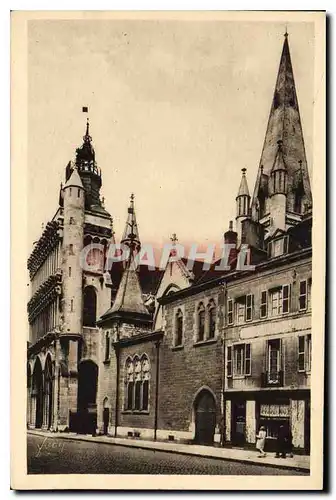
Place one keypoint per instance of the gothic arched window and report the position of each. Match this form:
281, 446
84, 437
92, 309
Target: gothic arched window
178, 328
212, 319
129, 383
137, 377
89, 306
200, 322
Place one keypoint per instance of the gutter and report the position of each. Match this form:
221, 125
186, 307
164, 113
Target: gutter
230, 276
157, 345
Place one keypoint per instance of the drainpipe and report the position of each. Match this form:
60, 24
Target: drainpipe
157, 345
116, 406
223, 367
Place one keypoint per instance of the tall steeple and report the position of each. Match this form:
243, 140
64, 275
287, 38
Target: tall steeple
85, 163
131, 236
284, 124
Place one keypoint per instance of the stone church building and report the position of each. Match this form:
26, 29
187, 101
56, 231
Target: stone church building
179, 354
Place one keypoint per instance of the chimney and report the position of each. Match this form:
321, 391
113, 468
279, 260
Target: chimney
230, 238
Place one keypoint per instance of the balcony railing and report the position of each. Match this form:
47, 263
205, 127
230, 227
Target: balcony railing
272, 379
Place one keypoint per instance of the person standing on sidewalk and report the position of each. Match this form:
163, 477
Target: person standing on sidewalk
290, 443
281, 443
261, 439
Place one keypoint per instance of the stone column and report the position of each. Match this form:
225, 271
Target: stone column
33, 411
45, 411
63, 415
28, 416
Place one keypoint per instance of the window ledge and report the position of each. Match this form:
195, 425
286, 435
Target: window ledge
205, 342
177, 347
135, 412
278, 317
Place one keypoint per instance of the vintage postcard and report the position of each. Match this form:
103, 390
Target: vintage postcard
168, 242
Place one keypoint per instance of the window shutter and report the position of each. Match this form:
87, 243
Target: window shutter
229, 361
286, 298
230, 312
247, 359
301, 354
303, 295
263, 304
249, 307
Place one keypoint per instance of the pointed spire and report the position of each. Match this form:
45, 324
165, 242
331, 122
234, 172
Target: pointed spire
74, 180
87, 137
243, 188
85, 155
284, 124
129, 295
131, 236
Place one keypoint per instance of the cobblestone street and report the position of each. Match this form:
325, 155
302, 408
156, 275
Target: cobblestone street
61, 456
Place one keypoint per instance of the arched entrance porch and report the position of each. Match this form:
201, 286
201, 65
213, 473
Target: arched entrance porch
205, 417
37, 395
48, 393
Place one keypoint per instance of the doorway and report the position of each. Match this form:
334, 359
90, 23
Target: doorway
37, 392
87, 393
238, 423
205, 417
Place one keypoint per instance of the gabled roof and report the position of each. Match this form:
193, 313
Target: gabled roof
277, 233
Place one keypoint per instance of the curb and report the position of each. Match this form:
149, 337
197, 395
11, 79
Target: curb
141, 445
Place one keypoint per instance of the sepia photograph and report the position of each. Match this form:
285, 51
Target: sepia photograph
171, 320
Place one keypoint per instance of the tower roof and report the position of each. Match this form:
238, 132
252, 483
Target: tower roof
129, 295
131, 233
85, 153
74, 180
243, 188
129, 304
284, 124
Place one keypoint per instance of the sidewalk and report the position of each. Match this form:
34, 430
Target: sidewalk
298, 462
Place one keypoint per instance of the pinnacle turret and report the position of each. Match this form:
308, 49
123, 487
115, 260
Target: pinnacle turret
131, 236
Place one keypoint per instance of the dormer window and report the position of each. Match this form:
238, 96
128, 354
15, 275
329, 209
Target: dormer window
277, 247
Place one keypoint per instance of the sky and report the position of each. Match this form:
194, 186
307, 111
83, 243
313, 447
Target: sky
176, 109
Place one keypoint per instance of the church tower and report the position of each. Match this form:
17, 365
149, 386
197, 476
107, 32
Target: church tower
282, 193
